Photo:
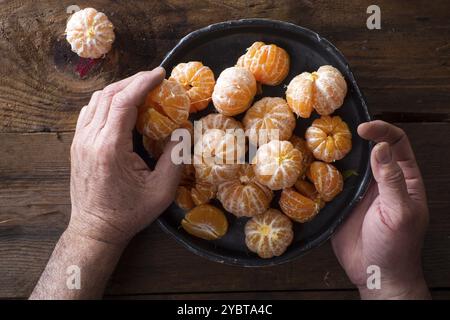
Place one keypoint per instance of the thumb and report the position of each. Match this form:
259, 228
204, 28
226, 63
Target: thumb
389, 176
167, 173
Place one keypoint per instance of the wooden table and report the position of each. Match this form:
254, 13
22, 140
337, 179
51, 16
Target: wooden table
403, 70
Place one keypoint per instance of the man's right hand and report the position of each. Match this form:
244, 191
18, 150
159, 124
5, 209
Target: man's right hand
387, 227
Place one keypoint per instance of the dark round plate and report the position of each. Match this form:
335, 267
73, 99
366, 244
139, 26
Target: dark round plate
219, 46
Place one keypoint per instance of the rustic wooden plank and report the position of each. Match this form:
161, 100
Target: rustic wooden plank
404, 67
35, 202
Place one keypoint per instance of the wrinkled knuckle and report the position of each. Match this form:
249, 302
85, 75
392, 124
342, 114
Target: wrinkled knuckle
393, 176
109, 91
119, 99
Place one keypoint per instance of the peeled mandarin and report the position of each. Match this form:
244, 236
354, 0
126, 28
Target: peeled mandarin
234, 91
323, 90
268, 63
90, 33
244, 196
308, 190
269, 234
298, 207
278, 164
219, 121
216, 157
183, 198
308, 157
198, 81
205, 222
329, 138
269, 119
327, 180
165, 109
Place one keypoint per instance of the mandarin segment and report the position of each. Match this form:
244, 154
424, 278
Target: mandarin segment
166, 108
198, 81
278, 164
234, 91
244, 196
327, 179
269, 119
329, 138
298, 207
268, 63
323, 90
205, 222
269, 234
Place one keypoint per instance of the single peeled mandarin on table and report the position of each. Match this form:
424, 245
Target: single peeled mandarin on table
268, 63
323, 90
90, 33
234, 91
327, 180
269, 119
269, 234
298, 207
329, 138
166, 108
206, 222
198, 81
278, 164
244, 196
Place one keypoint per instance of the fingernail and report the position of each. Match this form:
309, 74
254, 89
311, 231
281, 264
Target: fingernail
383, 153
160, 70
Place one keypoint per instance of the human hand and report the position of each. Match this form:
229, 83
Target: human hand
387, 227
114, 194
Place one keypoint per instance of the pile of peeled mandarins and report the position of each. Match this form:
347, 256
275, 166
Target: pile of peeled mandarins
298, 168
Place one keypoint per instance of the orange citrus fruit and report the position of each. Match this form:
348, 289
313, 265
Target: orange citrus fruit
323, 90
298, 207
329, 138
202, 192
90, 33
206, 222
198, 80
268, 63
269, 234
327, 179
270, 117
183, 198
308, 190
244, 196
278, 164
155, 148
234, 91
192, 192
165, 109
308, 157
215, 157
219, 121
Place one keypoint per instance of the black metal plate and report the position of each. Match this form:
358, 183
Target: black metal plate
219, 46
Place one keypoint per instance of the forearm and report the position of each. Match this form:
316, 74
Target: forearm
95, 259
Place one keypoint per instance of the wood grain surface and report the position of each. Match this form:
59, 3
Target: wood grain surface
403, 70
